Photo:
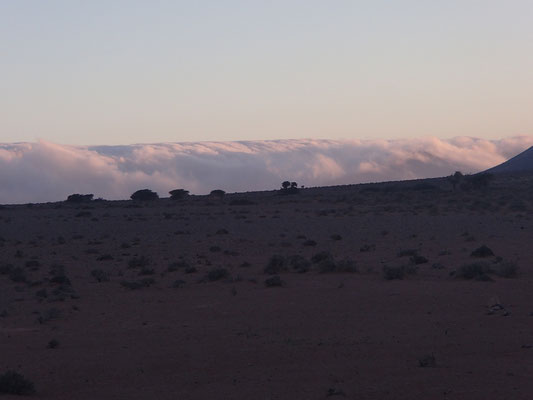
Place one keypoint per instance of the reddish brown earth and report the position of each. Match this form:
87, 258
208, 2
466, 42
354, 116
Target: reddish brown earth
321, 335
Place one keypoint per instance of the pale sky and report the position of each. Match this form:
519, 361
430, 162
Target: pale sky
132, 71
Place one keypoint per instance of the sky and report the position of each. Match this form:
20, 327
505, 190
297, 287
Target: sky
118, 72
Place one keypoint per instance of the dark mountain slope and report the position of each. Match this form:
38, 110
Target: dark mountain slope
521, 162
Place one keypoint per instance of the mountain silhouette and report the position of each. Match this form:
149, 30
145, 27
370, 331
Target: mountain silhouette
519, 163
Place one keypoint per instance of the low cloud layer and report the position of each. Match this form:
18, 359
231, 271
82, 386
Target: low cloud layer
44, 171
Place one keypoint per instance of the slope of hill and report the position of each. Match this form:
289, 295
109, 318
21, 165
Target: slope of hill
519, 163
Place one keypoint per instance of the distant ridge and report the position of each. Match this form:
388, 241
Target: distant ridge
519, 163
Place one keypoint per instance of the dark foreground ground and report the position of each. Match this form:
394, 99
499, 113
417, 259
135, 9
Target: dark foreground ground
167, 299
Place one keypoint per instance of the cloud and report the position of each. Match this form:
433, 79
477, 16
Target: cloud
44, 171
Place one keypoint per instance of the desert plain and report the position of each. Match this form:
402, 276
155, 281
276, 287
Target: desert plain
398, 290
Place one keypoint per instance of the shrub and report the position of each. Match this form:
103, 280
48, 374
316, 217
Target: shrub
289, 188
323, 255
144, 195
131, 285
49, 315
482, 252
407, 253
100, 275
427, 361
273, 281
139, 262
59, 276
299, 264
346, 265
32, 264
506, 269
365, 248
455, 179
391, 273
179, 283
327, 263
146, 282
178, 265
478, 271
146, 271
178, 194
418, 260
217, 193
80, 198
12, 382
18, 275
275, 265
217, 274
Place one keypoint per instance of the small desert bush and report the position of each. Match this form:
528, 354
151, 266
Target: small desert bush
367, 247
32, 264
144, 195
132, 285
417, 259
482, 252
478, 271
217, 274
49, 315
407, 253
58, 275
178, 283
398, 272
100, 275
178, 194
299, 264
275, 265
427, 361
146, 271
178, 265
217, 193
327, 263
80, 198
322, 256
346, 265
505, 269
18, 275
11, 382
139, 262
273, 281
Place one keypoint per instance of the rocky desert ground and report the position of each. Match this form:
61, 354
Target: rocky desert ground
399, 290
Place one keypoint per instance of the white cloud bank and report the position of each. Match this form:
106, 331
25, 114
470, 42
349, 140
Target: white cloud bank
43, 171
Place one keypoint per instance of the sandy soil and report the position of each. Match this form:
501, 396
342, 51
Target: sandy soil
355, 335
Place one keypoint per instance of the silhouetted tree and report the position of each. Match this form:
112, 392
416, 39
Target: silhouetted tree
80, 198
289, 187
144, 195
455, 179
178, 194
218, 193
